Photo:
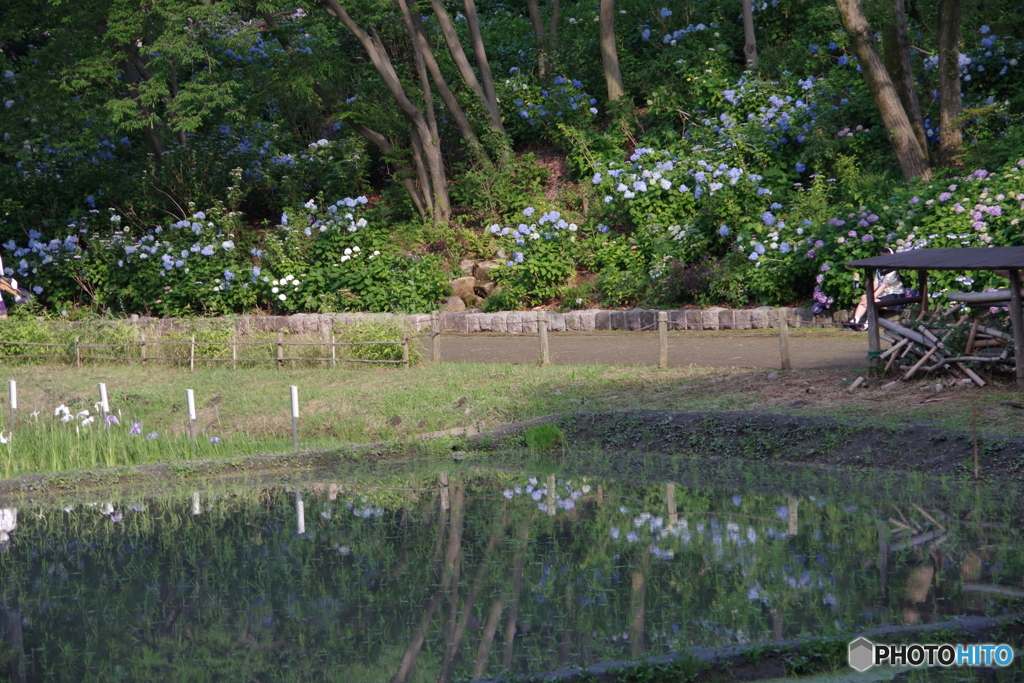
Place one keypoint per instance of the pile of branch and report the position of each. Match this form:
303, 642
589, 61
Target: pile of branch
937, 346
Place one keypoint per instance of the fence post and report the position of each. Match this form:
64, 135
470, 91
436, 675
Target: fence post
192, 355
234, 350
662, 339
442, 479
334, 350
280, 349
78, 354
542, 329
783, 337
435, 337
142, 346
405, 350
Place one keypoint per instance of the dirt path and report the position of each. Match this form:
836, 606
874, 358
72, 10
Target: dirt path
708, 349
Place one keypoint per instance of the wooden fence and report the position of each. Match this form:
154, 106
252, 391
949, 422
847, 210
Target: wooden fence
142, 351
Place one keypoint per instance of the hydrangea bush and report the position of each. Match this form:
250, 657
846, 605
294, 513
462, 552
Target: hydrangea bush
321, 256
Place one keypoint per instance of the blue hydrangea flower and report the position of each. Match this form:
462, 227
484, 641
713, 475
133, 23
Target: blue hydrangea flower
665, 13
207, 251
801, 167
768, 218
723, 231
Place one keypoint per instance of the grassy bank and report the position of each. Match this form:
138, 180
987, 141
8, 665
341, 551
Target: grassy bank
247, 411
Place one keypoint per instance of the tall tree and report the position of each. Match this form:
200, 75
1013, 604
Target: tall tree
910, 156
425, 142
896, 41
609, 52
951, 137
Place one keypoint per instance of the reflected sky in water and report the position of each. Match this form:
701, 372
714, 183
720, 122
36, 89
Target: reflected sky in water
469, 575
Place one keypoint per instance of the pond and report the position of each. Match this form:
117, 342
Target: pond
468, 574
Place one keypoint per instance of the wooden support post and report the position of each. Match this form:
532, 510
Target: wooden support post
435, 337
971, 336
783, 338
670, 503
1017, 317
192, 355
552, 506
142, 346
78, 354
794, 521
874, 344
405, 351
922, 284
446, 502
334, 350
294, 391
280, 349
542, 329
234, 351
662, 339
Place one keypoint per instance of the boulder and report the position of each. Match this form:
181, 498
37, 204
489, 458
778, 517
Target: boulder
452, 303
466, 265
484, 288
463, 286
482, 269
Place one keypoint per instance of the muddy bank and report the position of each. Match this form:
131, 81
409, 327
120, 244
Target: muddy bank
760, 437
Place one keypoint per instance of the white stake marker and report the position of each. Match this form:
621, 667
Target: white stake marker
295, 417
12, 386
190, 399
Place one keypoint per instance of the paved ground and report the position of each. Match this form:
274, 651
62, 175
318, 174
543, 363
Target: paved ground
714, 349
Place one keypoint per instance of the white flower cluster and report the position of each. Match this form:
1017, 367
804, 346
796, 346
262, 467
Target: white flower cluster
278, 286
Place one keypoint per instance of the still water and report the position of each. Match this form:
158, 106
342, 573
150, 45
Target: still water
468, 575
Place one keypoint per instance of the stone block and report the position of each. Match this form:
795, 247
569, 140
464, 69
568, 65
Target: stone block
763, 317
741, 319
588, 320
556, 322
602, 320
572, 321
710, 317
617, 320
633, 320
649, 320
725, 319
677, 319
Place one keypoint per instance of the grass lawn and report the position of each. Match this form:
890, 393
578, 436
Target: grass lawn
248, 409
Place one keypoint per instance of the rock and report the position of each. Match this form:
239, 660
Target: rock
482, 270
452, 303
466, 265
395, 420
463, 286
773, 375
473, 301
484, 289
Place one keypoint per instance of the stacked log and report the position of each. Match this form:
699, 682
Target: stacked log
941, 346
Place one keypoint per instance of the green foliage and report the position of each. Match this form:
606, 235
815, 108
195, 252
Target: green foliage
545, 437
365, 332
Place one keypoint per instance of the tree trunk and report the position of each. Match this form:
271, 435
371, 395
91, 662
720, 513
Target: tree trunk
897, 60
951, 137
556, 13
426, 145
609, 54
404, 172
486, 80
749, 38
538, 33
912, 161
424, 55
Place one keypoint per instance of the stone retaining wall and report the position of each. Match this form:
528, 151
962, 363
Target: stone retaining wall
525, 322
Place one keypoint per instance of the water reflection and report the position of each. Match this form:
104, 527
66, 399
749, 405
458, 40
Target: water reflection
473, 575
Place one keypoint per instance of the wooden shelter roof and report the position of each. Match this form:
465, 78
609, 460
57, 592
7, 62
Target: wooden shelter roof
966, 258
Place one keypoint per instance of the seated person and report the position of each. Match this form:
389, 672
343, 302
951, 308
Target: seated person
887, 286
